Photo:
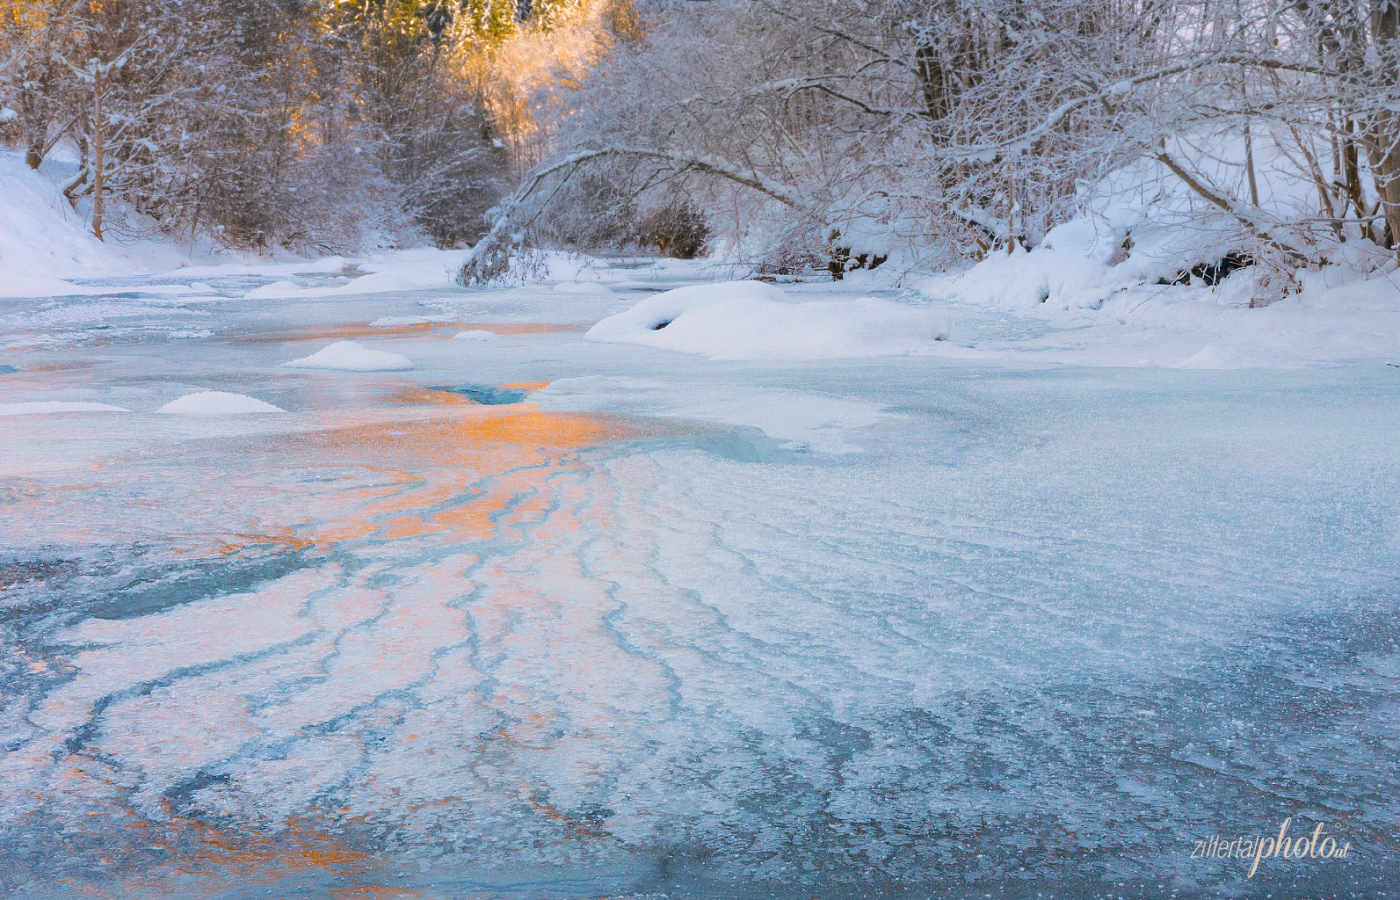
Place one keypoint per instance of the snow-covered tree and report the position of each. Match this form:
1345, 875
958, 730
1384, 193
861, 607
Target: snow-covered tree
962, 126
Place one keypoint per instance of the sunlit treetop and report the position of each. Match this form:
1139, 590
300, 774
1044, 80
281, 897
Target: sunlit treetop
450, 21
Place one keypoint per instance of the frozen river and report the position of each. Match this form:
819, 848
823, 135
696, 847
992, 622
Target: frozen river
646, 623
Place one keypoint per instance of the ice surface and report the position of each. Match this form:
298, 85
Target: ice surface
799, 420
660, 625
217, 403
352, 357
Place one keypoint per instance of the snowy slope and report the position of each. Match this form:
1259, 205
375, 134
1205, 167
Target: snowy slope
43, 240
40, 235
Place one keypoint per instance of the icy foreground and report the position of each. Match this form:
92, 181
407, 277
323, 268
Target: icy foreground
548, 616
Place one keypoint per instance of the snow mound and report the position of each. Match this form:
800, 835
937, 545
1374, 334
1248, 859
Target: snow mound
754, 320
476, 335
217, 403
397, 321
274, 290
426, 268
377, 283
40, 407
349, 356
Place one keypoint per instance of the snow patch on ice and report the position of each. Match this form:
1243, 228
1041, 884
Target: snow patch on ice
329, 265
274, 290
376, 283
754, 320
367, 284
37, 286
350, 356
476, 335
586, 287
42, 407
217, 403
44, 286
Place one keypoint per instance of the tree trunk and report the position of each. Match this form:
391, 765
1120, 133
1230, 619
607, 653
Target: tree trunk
1383, 129
98, 135
931, 79
1249, 152
1351, 168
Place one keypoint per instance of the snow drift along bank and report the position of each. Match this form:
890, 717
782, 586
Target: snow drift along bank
754, 320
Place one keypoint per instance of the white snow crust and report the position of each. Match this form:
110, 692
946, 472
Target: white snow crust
754, 320
44, 407
217, 403
350, 356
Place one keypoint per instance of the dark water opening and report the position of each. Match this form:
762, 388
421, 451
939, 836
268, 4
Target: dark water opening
482, 393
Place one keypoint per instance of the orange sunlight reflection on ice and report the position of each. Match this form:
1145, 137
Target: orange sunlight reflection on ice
426, 465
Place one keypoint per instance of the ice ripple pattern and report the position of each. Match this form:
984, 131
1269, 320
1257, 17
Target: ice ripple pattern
684, 668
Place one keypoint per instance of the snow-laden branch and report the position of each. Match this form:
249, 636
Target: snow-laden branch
787, 87
995, 228
1218, 200
17, 55
489, 258
714, 165
95, 69
1024, 142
